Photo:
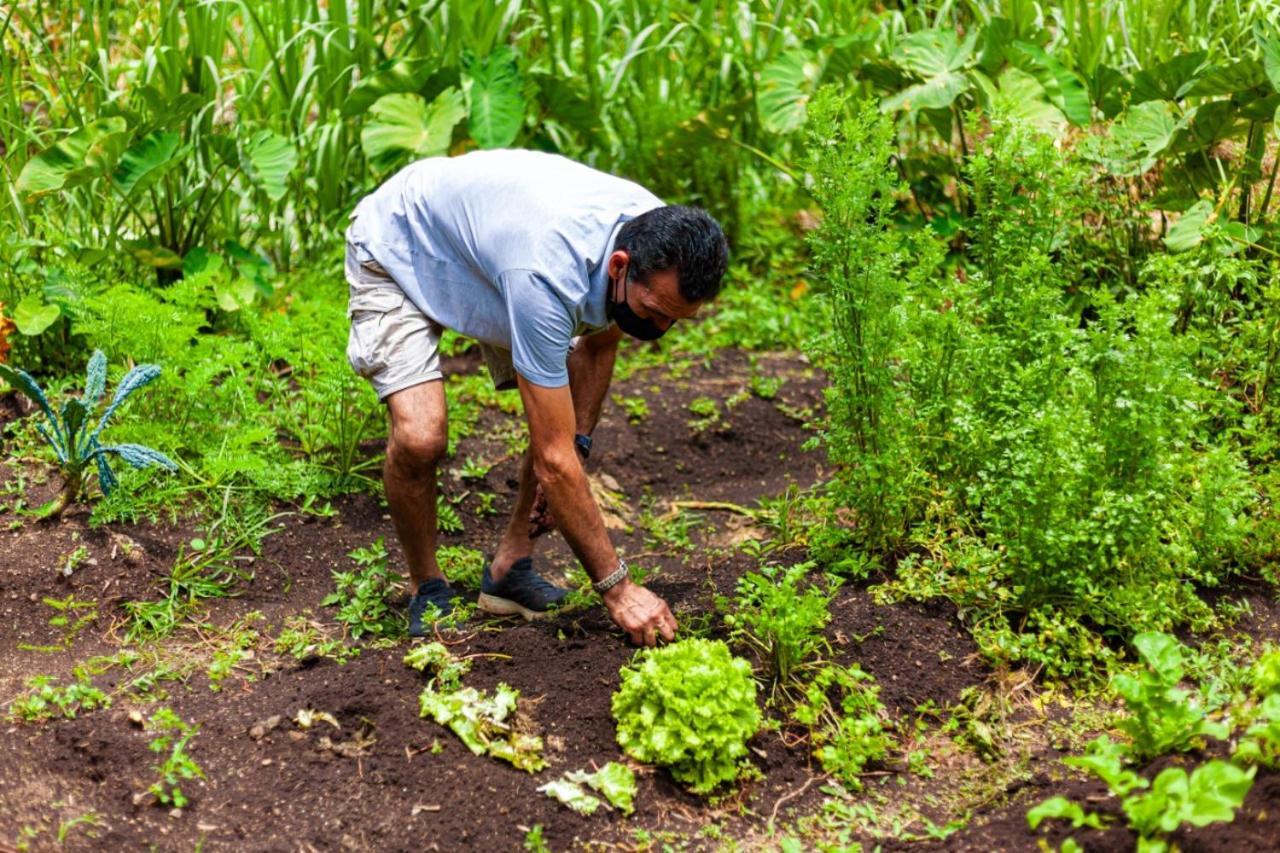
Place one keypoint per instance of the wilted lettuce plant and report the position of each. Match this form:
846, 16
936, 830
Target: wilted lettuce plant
74, 443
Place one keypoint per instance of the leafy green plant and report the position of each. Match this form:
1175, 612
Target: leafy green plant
75, 444
305, 640
690, 707
172, 736
706, 415
634, 406
1162, 716
45, 700
1211, 793
1261, 741
780, 614
361, 595
848, 733
448, 668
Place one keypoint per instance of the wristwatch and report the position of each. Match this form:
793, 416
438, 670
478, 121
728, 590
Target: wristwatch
583, 443
618, 576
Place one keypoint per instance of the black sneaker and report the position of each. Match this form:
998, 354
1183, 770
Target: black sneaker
521, 592
434, 599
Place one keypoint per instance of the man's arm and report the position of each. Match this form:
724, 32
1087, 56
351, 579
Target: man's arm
590, 372
643, 615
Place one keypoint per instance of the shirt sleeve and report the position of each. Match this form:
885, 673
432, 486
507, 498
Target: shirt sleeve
541, 328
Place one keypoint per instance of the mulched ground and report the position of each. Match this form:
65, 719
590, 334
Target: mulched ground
404, 783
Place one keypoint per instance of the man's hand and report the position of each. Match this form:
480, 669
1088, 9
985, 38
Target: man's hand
643, 615
540, 518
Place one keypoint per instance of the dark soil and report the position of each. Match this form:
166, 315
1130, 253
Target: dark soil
386, 779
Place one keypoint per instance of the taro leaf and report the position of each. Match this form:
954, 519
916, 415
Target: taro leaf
1184, 235
495, 98
1208, 124
1163, 82
1225, 79
784, 90
936, 56
1020, 96
95, 378
1064, 809
1270, 47
932, 53
79, 157
148, 160
153, 254
268, 160
32, 315
1141, 135
1111, 89
1064, 88
138, 456
200, 261
563, 101
936, 93
1260, 109
234, 295
399, 124
391, 77
997, 35
571, 795
848, 54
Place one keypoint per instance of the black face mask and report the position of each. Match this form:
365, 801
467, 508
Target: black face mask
628, 321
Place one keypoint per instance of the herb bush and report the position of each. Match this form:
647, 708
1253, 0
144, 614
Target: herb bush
690, 707
1045, 454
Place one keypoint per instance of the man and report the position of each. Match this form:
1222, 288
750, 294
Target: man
545, 263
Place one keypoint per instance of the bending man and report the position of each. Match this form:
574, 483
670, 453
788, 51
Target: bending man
545, 263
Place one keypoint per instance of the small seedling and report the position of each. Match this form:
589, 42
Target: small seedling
172, 736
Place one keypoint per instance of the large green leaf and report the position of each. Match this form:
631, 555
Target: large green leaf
405, 124
932, 53
1064, 88
1188, 231
1020, 96
153, 254
1208, 124
1163, 82
391, 77
32, 315
1225, 79
268, 160
81, 156
1141, 135
784, 90
147, 160
495, 98
1270, 47
934, 94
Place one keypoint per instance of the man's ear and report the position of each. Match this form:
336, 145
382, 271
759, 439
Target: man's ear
617, 262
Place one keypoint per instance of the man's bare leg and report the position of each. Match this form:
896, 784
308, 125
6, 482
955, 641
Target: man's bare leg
516, 544
418, 441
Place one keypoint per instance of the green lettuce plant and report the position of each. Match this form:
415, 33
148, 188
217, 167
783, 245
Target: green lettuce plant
74, 443
1163, 717
690, 707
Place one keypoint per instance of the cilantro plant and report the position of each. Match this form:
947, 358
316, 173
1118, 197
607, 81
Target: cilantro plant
690, 707
75, 444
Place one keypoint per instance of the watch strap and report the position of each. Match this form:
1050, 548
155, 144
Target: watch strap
616, 577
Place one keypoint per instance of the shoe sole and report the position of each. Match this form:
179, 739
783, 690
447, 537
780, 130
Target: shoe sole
506, 607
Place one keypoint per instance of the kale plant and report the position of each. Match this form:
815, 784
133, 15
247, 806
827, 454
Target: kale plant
691, 707
74, 443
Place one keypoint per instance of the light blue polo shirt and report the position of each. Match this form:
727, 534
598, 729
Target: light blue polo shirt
507, 247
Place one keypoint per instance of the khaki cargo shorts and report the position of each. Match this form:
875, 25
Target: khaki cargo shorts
392, 343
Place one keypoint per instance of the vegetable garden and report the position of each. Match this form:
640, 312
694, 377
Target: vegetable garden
963, 494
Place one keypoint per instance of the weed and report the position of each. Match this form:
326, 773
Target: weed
172, 735
361, 595
306, 640
634, 406
706, 415
45, 700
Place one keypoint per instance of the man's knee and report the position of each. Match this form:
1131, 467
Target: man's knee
416, 452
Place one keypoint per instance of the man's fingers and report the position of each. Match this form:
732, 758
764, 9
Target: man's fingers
667, 626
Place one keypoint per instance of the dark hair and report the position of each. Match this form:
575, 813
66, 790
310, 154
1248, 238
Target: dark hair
677, 237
